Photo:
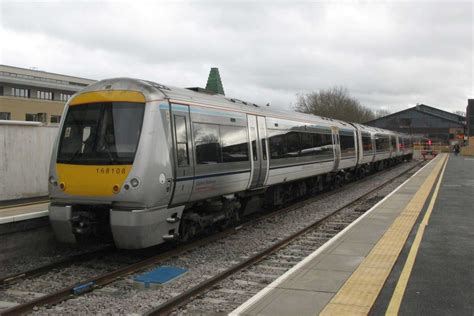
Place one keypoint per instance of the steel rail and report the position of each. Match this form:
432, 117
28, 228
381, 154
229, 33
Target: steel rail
95, 282
186, 297
14, 278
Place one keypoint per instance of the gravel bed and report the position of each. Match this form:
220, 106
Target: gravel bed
235, 290
56, 252
123, 297
59, 278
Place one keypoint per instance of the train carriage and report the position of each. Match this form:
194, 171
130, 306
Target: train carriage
147, 163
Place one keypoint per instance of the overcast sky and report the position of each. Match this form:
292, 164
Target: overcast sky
389, 55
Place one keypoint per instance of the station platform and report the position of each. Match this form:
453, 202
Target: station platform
23, 211
410, 254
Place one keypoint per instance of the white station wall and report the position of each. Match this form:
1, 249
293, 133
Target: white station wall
25, 151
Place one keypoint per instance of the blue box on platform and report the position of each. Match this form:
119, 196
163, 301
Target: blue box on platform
159, 276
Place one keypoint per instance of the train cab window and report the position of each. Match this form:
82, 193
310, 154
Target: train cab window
234, 143
347, 144
101, 133
206, 138
181, 141
367, 143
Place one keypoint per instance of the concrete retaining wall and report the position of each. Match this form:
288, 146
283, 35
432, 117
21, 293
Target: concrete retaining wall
25, 151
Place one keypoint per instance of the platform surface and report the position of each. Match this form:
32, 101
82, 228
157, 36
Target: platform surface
349, 274
441, 281
23, 212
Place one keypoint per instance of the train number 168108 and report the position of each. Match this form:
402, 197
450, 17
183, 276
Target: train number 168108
111, 170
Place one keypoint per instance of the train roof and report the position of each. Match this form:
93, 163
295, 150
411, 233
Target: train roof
156, 91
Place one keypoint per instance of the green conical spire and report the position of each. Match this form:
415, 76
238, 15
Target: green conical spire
214, 82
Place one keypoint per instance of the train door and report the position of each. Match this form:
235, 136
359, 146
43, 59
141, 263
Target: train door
183, 153
336, 147
258, 157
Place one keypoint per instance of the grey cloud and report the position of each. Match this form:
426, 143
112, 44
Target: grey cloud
388, 54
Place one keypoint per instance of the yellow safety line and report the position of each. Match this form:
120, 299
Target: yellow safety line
397, 296
360, 291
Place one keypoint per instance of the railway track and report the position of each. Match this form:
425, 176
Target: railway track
295, 246
107, 278
16, 277
8, 280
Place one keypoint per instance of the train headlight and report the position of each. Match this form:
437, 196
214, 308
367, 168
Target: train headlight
134, 182
116, 189
53, 181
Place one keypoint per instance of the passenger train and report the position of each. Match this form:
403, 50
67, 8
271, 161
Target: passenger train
147, 163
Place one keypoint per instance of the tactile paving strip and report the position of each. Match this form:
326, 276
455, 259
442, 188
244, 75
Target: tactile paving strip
360, 291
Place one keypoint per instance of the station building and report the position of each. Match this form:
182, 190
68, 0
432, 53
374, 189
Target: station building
425, 121
32, 95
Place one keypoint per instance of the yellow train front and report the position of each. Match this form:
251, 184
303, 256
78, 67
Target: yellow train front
110, 168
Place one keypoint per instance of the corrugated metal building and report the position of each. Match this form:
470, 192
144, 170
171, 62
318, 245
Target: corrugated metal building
426, 121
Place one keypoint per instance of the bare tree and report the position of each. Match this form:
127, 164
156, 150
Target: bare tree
381, 113
461, 113
335, 103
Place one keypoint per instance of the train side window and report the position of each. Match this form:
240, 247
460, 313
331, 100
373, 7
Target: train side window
307, 148
347, 145
382, 143
292, 144
276, 143
393, 140
366, 142
234, 143
322, 144
181, 140
254, 143
206, 139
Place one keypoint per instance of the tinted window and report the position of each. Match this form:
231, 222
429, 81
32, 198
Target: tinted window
297, 144
277, 144
292, 144
347, 145
393, 139
382, 143
234, 143
367, 142
181, 141
306, 144
101, 133
207, 143
264, 149
254, 143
